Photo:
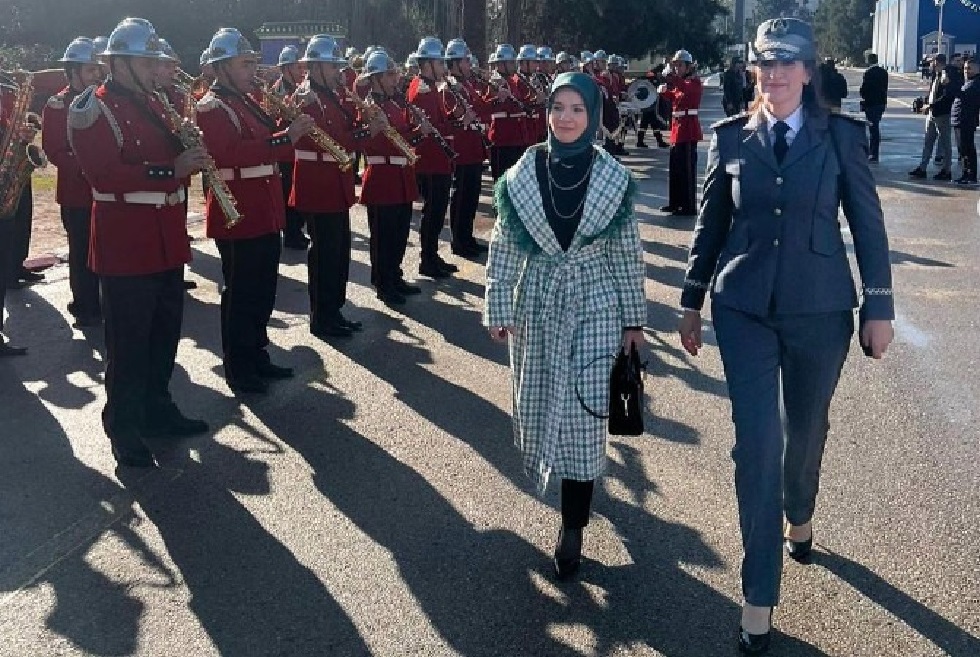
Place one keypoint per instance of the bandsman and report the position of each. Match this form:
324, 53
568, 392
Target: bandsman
323, 192
291, 73
74, 193
683, 89
530, 91
508, 130
246, 145
434, 170
389, 187
136, 166
564, 62
467, 136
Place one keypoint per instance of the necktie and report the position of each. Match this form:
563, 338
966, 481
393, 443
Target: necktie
780, 146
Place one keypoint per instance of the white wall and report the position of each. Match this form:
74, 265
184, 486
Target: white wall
895, 37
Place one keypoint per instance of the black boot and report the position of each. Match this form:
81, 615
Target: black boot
568, 552
640, 136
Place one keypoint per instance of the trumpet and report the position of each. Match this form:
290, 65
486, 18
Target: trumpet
190, 137
280, 108
369, 108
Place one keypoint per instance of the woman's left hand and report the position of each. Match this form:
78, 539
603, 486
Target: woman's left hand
631, 338
877, 334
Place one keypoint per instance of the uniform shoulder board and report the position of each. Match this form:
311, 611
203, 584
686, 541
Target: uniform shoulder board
742, 118
56, 102
208, 102
85, 110
851, 118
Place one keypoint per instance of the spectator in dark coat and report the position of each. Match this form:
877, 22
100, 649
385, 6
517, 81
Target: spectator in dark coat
937, 106
832, 84
965, 116
874, 98
733, 88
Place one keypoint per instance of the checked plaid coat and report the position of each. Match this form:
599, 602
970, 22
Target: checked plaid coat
569, 309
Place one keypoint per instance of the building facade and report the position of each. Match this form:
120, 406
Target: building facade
907, 30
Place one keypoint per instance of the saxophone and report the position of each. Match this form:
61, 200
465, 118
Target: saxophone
370, 108
280, 108
20, 157
190, 136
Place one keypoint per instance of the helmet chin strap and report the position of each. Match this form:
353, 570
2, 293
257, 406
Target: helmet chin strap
135, 78
221, 73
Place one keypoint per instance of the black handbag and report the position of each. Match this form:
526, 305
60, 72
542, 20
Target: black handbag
626, 394
625, 410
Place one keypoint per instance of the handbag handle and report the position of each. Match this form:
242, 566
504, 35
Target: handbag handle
641, 365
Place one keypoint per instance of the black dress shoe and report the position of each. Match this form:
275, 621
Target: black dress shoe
29, 276
799, 551
351, 324
432, 270
465, 251
404, 287
131, 459
669, 209
943, 175
267, 370
190, 285
918, 172
446, 266
391, 297
332, 329
296, 243
250, 383
568, 552
87, 321
755, 644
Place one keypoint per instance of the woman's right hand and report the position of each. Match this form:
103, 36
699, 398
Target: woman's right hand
690, 331
500, 333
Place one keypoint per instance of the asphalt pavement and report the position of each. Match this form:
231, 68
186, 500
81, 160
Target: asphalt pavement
375, 505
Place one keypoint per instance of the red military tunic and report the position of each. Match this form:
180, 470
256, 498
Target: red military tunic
432, 159
533, 121
466, 141
384, 182
245, 146
507, 120
350, 77
126, 150
73, 190
319, 186
685, 97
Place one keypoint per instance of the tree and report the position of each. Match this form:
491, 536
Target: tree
843, 28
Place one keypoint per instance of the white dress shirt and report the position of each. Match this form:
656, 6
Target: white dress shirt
794, 121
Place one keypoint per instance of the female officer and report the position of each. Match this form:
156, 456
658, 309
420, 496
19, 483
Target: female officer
565, 283
783, 297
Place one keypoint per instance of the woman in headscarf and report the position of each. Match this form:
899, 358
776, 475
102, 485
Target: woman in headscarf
565, 287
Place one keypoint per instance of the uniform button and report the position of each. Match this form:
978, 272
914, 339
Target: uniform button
778, 212
779, 180
129, 123
775, 242
137, 142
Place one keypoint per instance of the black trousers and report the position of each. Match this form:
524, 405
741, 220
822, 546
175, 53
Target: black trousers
6, 251
82, 280
389, 226
143, 316
576, 502
683, 176
503, 158
329, 265
251, 271
434, 189
873, 114
968, 151
467, 181
294, 220
20, 238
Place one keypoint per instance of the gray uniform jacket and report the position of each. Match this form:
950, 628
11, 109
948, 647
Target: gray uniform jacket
768, 236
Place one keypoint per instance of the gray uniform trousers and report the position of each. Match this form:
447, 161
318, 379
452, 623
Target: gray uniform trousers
938, 128
782, 371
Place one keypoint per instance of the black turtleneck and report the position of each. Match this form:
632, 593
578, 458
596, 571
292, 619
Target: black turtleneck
565, 172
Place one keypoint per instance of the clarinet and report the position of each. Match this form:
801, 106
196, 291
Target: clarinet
423, 120
451, 85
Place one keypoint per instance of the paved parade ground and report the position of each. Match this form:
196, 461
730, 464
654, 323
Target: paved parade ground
374, 505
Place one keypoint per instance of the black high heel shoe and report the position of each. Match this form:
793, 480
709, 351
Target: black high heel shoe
568, 552
755, 644
799, 551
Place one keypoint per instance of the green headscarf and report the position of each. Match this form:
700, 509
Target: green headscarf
592, 97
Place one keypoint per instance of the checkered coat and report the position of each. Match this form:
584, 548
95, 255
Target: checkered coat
569, 309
